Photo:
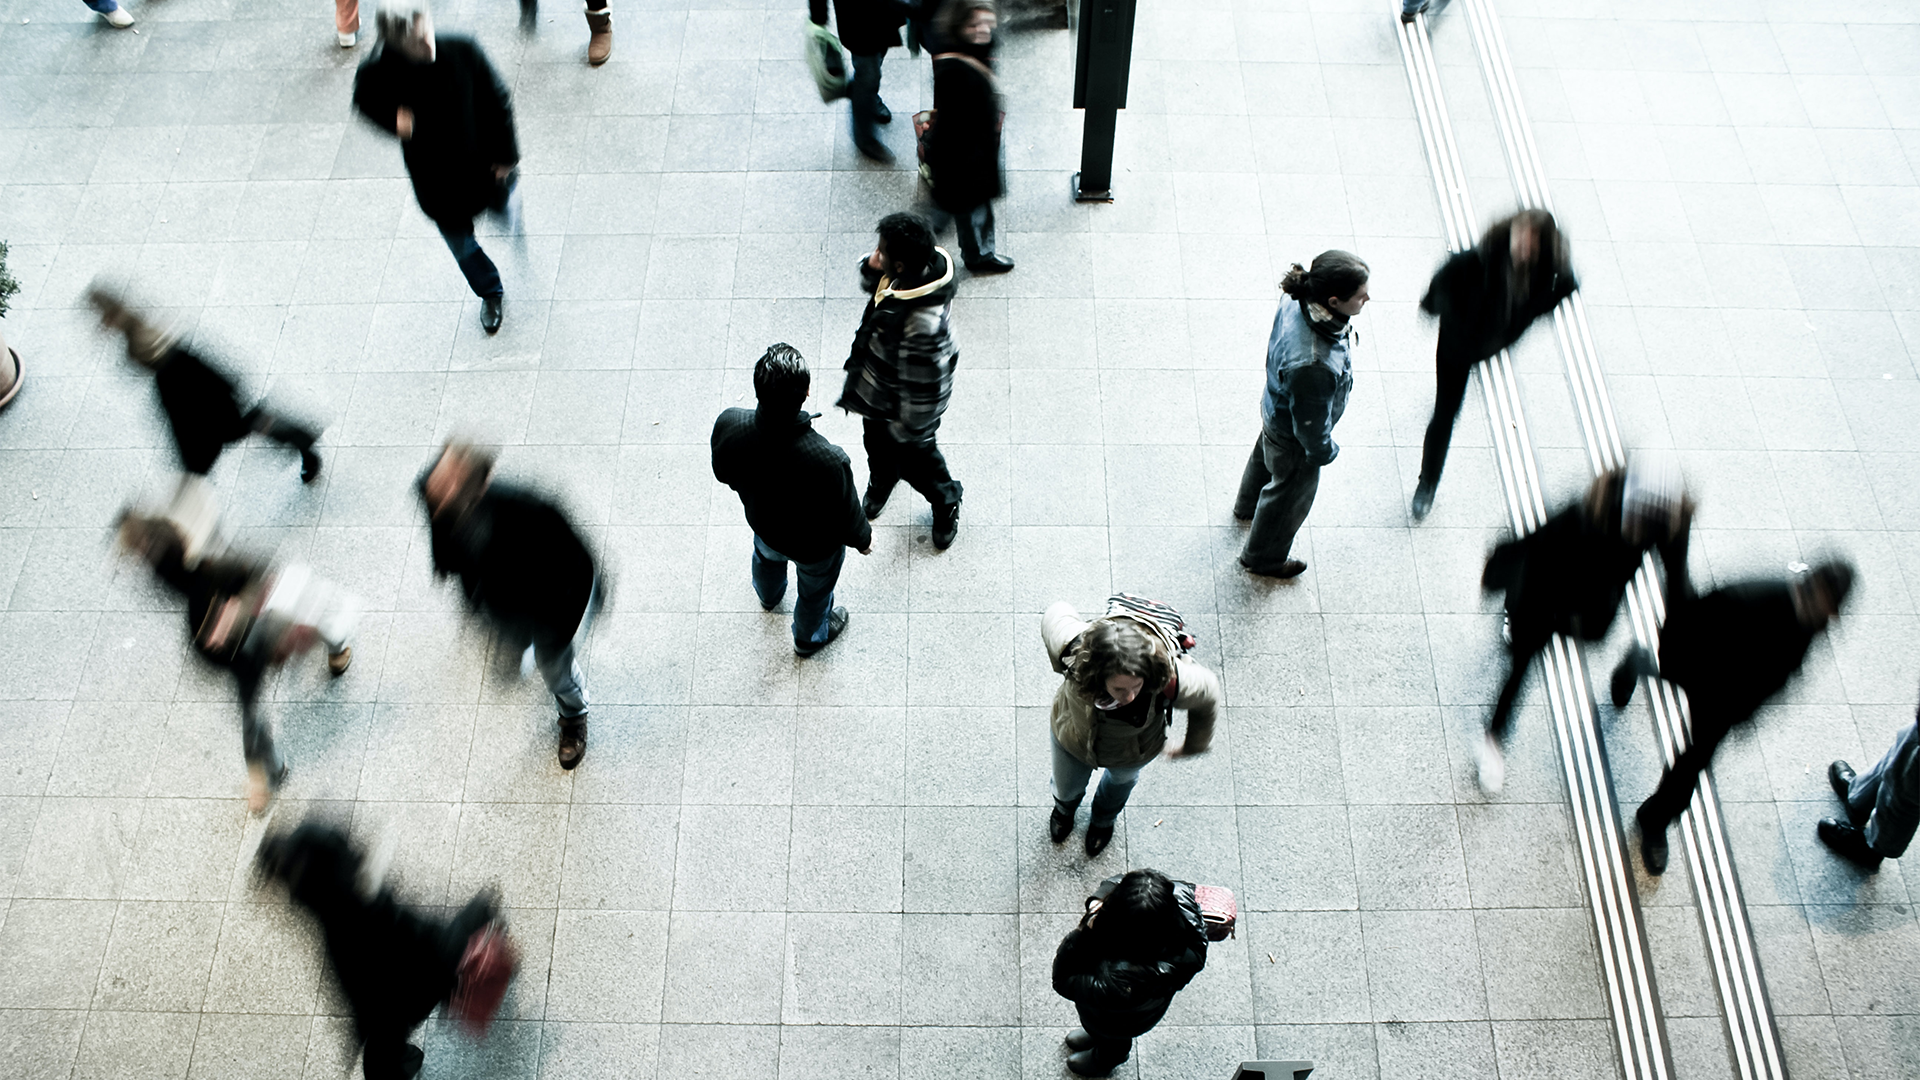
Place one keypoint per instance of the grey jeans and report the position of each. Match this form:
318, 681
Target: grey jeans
1070, 776
1885, 793
1276, 491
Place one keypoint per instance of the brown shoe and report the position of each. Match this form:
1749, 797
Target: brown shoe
600, 45
340, 661
573, 740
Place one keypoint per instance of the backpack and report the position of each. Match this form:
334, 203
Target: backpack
1162, 618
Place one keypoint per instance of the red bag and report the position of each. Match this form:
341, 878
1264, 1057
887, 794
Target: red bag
1219, 909
480, 984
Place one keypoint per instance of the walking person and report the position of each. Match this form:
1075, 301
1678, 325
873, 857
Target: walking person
1569, 575
394, 965
1123, 678
454, 120
1122, 965
1882, 804
963, 146
522, 565
900, 370
1730, 650
1309, 374
248, 618
868, 28
1486, 297
799, 495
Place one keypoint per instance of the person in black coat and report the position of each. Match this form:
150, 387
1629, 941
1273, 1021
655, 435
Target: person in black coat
394, 966
1569, 575
963, 146
799, 494
522, 565
868, 28
1486, 297
1730, 650
454, 119
1132, 952
202, 406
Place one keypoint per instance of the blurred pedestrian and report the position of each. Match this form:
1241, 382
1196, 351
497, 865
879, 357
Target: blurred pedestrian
454, 120
248, 618
799, 494
117, 17
394, 965
523, 566
1569, 575
1486, 297
203, 409
599, 27
1309, 374
1730, 650
1883, 805
963, 146
868, 28
900, 372
1124, 677
346, 22
1122, 965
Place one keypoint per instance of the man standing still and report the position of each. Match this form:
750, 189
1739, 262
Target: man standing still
868, 28
900, 372
799, 494
522, 565
452, 114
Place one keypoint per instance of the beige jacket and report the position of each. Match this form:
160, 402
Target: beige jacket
1075, 721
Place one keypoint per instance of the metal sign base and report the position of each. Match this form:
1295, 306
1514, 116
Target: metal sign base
1079, 195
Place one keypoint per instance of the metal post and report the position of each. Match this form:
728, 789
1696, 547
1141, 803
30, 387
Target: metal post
1100, 87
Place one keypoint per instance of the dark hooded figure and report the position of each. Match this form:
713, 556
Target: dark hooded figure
454, 120
522, 565
1730, 650
394, 966
963, 146
1569, 575
1486, 297
799, 495
1134, 949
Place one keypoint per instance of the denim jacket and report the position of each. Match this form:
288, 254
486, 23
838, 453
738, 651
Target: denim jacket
1309, 374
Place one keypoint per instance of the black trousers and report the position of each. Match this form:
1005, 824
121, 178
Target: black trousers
1710, 725
1452, 366
1527, 643
920, 464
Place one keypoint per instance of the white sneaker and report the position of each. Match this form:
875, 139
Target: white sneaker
119, 18
348, 39
1493, 766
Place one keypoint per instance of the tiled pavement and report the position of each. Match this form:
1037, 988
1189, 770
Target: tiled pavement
836, 867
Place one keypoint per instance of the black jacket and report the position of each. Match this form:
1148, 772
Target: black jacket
1471, 295
963, 147
797, 487
865, 27
1569, 576
519, 561
462, 124
1126, 997
1734, 647
201, 408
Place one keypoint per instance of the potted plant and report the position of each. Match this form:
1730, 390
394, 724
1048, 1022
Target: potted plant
12, 371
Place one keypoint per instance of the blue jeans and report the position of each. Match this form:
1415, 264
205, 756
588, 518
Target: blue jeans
482, 275
864, 90
1070, 776
1883, 795
816, 589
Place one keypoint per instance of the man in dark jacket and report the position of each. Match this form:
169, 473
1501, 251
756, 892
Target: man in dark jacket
522, 565
454, 119
1142, 941
900, 372
799, 496
203, 408
1883, 805
1486, 297
868, 28
1730, 650
394, 966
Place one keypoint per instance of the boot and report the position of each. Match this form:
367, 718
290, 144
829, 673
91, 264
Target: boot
600, 45
1060, 826
1653, 842
946, 524
1849, 843
1637, 665
1078, 1039
573, 740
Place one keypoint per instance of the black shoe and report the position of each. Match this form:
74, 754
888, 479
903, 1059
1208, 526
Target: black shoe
1292, 568
1060, 824
1840, 775
874, 501
490, 314
1635, 666
1085, 1063
1098, 837
764, 606
989, 264
1079, 1039
946, 525
1653, 844
874, 150
1423, 500
1849, 843
573, 741
309, 466
529, 14
881, 113
836, 622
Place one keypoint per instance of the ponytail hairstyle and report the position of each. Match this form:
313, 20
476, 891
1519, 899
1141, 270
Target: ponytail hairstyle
1335, 274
